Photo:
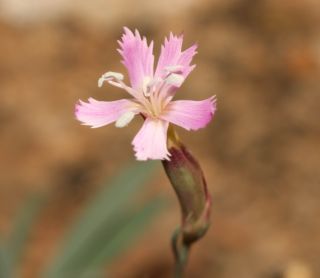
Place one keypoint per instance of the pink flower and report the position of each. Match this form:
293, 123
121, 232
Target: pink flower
151, 95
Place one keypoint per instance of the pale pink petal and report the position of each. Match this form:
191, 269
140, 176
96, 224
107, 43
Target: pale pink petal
189, 114
151, 140
99, 113
172, 55
185, 60
137, 57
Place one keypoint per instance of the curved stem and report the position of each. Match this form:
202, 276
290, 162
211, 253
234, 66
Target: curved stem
181, 252
188, 182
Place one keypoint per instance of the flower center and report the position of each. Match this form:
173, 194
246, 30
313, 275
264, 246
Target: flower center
153, 105
155, 89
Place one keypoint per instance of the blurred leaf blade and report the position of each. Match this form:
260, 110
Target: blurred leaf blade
125, 236
21, 229
104, 209
5, 270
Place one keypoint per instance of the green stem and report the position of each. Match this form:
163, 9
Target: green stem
181, 252
188, 182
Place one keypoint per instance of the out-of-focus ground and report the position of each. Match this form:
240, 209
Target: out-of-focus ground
260, 154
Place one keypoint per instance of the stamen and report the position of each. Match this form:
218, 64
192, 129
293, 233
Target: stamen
174, 69
109, 76
116, 79
125, 119
116, 84
100, 81
146, 88
175, 79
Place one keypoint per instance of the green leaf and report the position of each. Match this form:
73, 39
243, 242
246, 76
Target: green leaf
4, 263
22, 227
106, 210
121, 240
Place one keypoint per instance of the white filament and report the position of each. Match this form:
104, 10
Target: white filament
174, 79
146, 88
174, 69
110, 76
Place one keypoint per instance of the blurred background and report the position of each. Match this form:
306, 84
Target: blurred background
260, 154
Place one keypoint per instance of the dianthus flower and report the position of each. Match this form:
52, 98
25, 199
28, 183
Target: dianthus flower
151, 92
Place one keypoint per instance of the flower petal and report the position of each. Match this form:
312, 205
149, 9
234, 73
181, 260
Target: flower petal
99, 113
171, 56
189, 114
137, 57
186, 58
151, 140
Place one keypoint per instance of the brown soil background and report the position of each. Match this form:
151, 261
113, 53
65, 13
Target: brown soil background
260, 153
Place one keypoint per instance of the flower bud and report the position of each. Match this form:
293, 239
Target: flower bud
188, 181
